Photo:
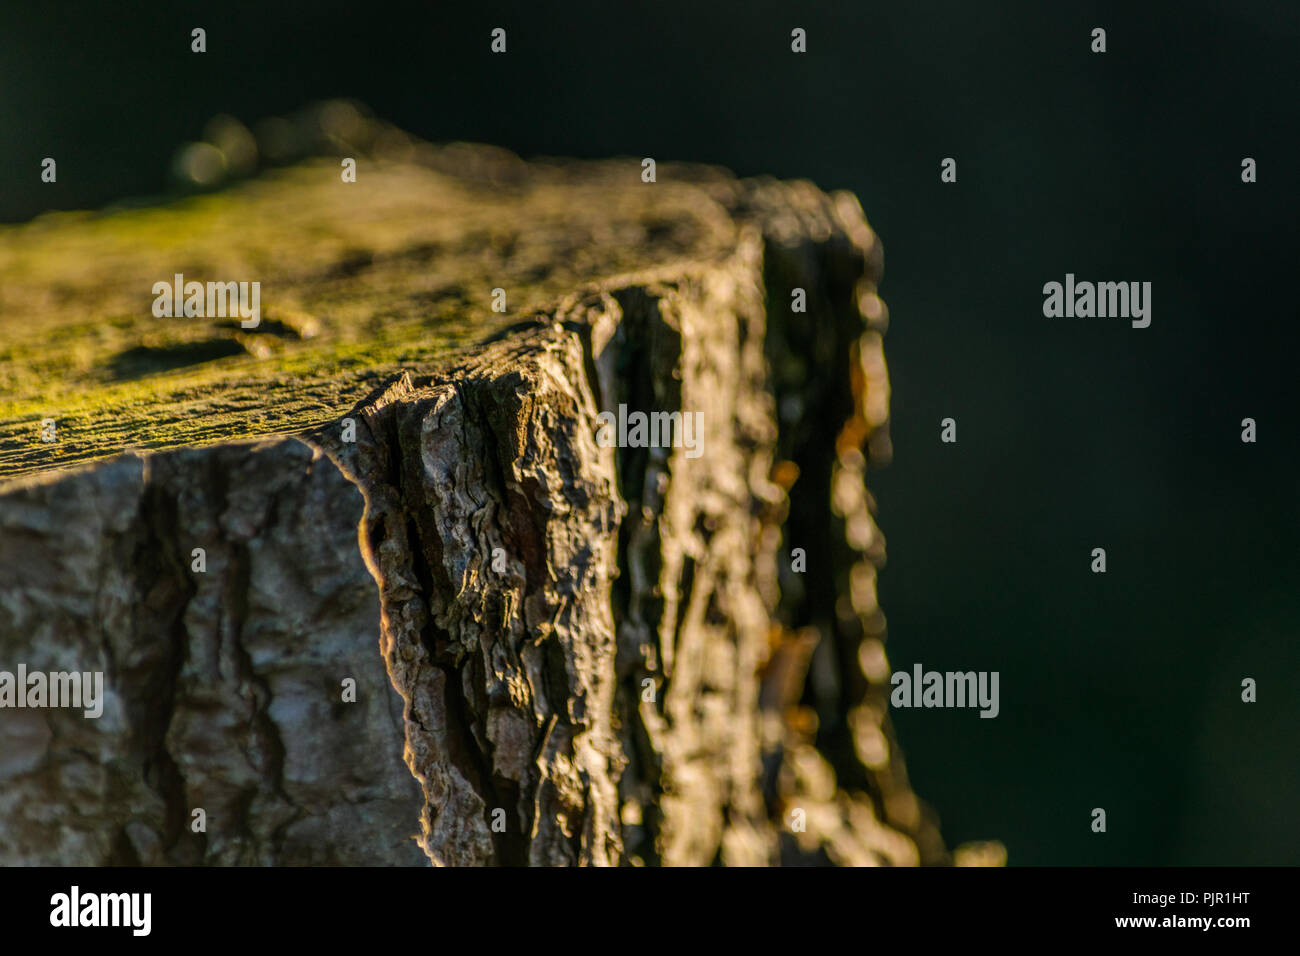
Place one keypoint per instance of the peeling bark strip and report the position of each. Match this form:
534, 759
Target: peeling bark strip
507, 676
587, 655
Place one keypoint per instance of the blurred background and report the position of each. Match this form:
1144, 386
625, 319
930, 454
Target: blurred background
1120, 690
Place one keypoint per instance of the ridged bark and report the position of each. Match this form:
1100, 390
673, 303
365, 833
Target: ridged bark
564, 653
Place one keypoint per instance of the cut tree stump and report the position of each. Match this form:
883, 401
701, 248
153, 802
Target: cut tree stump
561, 652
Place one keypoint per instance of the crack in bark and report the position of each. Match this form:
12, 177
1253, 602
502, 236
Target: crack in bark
521, 682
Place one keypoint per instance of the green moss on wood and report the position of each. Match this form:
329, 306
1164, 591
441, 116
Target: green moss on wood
358, 281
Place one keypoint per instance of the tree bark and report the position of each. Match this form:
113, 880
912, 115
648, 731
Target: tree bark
563, 653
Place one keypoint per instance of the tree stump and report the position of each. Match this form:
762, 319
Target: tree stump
562, 648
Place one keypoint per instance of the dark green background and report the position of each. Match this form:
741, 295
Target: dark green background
1118, 690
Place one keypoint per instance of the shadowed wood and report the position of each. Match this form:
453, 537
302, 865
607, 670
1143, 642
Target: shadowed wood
590, 655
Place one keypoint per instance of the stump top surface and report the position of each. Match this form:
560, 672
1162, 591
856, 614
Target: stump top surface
357, 281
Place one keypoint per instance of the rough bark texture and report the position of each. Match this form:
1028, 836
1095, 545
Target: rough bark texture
564, 653
222, 687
